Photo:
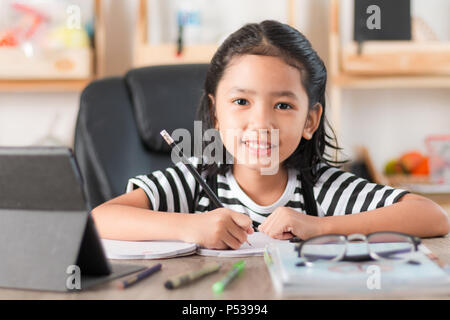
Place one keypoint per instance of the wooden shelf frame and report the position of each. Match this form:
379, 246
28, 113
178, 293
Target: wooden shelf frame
385, 82
339, 80
164, 53
43, 85
67, 85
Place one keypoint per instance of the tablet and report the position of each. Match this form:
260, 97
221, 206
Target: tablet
46, 227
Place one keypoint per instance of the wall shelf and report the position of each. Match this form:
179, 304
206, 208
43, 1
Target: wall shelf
43, 85
76, 85
345, 81
397, 57
164, 54
423, 65
146, 54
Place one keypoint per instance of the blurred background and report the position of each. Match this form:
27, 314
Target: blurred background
388, 92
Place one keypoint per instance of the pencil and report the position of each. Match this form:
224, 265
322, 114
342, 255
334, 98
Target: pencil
211, 195
134, 279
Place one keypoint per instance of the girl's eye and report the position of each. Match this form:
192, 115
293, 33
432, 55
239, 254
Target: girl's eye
283, 106
241, 102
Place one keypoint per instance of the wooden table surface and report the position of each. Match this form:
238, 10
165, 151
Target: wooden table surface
254, 282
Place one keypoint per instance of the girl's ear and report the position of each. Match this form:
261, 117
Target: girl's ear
312, 121
212, 111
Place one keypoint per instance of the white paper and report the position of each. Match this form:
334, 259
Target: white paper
116, 249
258, 241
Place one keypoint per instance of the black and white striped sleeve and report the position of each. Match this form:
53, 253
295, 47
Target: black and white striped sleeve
168, 190
338, 193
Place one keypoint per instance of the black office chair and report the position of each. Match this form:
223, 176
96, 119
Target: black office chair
117, 131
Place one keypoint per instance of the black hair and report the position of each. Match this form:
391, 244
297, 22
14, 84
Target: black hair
272, 38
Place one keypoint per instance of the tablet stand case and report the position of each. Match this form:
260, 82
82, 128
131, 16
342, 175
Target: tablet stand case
45, 225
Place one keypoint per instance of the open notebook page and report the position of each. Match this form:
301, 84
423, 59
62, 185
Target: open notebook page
115, 249
258, 241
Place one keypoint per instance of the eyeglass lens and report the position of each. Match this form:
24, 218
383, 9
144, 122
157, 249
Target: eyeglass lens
386, 245
323, 248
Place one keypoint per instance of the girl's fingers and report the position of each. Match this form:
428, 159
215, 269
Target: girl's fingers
266, 221
222, 246
284, 236
278, 228
237, 232
231, 241
242, 220
267, 224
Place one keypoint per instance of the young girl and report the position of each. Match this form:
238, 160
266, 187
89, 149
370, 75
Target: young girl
265, 77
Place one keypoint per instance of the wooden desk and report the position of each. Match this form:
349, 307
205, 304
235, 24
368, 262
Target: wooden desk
441, 199
255, 282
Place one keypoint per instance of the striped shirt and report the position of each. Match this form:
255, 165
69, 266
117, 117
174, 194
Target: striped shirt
336, 193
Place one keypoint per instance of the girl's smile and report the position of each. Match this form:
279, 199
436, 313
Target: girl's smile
258, 148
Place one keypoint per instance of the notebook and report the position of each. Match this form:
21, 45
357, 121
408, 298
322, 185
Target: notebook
258, 241
116, 249
396, 277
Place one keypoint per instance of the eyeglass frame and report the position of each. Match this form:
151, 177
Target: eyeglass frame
416, 241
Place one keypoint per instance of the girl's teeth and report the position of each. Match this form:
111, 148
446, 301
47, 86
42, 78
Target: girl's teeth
257, 146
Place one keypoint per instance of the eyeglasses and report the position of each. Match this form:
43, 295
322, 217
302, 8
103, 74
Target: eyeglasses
357, 247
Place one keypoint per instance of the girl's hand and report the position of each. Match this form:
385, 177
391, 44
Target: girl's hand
284, 223
219, 229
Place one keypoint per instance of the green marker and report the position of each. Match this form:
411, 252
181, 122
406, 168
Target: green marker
237, 268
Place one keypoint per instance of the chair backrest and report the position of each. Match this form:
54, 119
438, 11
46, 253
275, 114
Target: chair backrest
119, 120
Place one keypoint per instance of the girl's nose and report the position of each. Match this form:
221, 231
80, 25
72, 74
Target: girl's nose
261, 117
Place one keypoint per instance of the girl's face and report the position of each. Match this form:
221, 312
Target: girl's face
262, 111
